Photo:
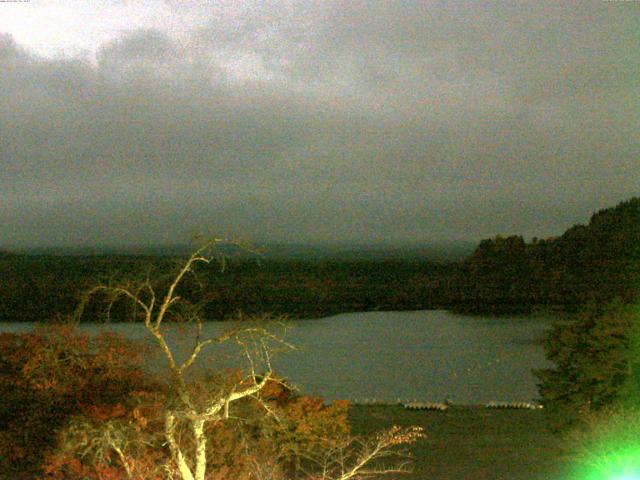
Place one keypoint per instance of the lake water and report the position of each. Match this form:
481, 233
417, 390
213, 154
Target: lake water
421, 355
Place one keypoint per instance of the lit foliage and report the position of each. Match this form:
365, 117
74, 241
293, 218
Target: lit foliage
102, 416
80, 407
48, 376
125, 440
301, 435
77, 407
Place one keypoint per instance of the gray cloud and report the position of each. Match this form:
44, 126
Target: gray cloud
326, 121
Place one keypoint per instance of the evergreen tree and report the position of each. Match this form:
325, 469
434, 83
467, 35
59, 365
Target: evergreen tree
596, 365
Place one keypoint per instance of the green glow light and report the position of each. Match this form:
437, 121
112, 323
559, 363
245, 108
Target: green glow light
609, 448
622, 464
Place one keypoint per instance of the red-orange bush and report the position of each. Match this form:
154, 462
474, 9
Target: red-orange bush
69, 400
51, 374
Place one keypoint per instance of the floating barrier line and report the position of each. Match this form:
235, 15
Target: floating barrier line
442, 406
439, 406
514, 405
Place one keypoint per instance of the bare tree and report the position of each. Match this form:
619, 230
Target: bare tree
341, 463
358, 458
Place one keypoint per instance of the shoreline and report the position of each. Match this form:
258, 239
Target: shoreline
472, 441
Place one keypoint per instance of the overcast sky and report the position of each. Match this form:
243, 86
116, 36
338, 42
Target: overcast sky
135, 121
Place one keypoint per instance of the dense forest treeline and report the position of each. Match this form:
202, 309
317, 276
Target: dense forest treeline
41, 287
589, 264
592, 263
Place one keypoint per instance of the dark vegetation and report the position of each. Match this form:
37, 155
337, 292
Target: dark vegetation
588, 264
38, 287
597, 363
591, 394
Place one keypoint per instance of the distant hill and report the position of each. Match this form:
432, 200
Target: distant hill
303, 281
437, 251
593, 263
97, 250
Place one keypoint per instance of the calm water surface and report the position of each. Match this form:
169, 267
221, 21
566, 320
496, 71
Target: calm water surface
423, 355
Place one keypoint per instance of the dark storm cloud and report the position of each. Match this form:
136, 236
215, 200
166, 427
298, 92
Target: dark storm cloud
327, 121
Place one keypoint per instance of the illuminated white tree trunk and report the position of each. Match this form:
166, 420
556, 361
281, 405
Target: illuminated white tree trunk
346, 462
217, 407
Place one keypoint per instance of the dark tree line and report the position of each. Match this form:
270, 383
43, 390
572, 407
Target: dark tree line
36, 288
593, 263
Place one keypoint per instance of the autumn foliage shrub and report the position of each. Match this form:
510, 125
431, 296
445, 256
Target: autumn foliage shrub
80, 407
50, 375
88, 408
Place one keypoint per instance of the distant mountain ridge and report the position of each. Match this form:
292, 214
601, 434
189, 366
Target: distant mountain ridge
593, 263
434, 251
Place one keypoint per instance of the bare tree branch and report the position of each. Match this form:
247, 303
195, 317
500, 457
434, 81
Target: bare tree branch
190, 414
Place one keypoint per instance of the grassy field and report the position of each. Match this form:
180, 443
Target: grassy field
472, 442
